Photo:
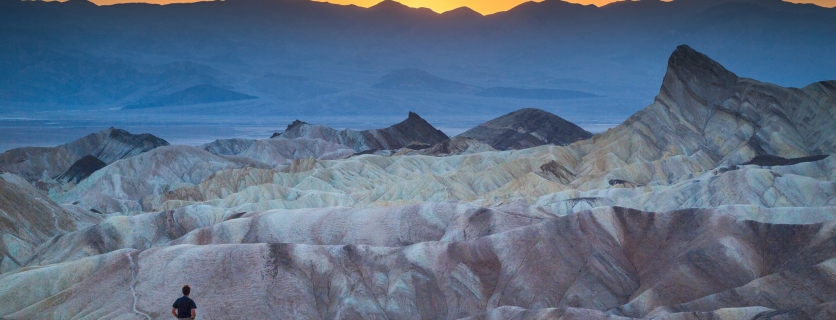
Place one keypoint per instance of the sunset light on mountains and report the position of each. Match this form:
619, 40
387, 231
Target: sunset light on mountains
418, 159
484, 7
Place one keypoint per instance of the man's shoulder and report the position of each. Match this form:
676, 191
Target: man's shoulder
183, 299
188, 300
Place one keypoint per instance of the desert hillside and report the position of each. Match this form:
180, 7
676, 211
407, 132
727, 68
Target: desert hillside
716, 201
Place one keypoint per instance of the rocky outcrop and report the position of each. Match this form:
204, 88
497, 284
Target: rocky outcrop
135, 184
81, 169
454, 146
526, 128
413, 129
29, 218
108, 146
228, 147
276, 152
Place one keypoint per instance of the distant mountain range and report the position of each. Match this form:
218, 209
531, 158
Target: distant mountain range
294, 52
422, 81
202, 93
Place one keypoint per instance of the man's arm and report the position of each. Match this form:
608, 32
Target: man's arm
174, 312
194, 312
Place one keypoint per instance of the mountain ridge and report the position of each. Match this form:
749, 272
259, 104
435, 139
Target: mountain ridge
109, 145
526, 128
413, 129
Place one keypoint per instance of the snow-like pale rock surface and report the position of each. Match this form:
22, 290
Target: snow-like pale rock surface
658, 218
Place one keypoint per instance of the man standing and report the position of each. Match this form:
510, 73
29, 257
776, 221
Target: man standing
184, 308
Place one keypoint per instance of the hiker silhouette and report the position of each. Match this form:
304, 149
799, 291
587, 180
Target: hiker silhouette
184, 307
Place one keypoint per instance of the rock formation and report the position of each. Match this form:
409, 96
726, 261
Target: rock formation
716, 201
413, 129
526, 128
82, 169
228, 147
108, 146
275, 152
135, 184
284, 151
454, 146
29, 218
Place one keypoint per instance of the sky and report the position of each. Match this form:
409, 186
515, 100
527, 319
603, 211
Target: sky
482, 6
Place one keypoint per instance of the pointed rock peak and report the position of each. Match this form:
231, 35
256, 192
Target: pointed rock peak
413, 115
414, 119
295, 124
687, 65
420, 130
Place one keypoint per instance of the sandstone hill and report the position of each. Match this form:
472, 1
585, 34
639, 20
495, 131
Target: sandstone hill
717, 201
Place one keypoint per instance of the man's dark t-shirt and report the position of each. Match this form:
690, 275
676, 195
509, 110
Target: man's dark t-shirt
184, 307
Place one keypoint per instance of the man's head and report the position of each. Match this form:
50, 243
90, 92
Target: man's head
186, 290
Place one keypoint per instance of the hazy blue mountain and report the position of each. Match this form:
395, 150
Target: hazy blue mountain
540, 94
203, 93
308, 58
420, 80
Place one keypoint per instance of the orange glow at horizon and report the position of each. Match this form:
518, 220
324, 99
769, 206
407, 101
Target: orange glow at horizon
486, 7
482, 6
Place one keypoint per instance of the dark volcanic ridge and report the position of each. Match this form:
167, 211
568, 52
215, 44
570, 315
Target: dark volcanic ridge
82, 169
527, 128
144, 141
